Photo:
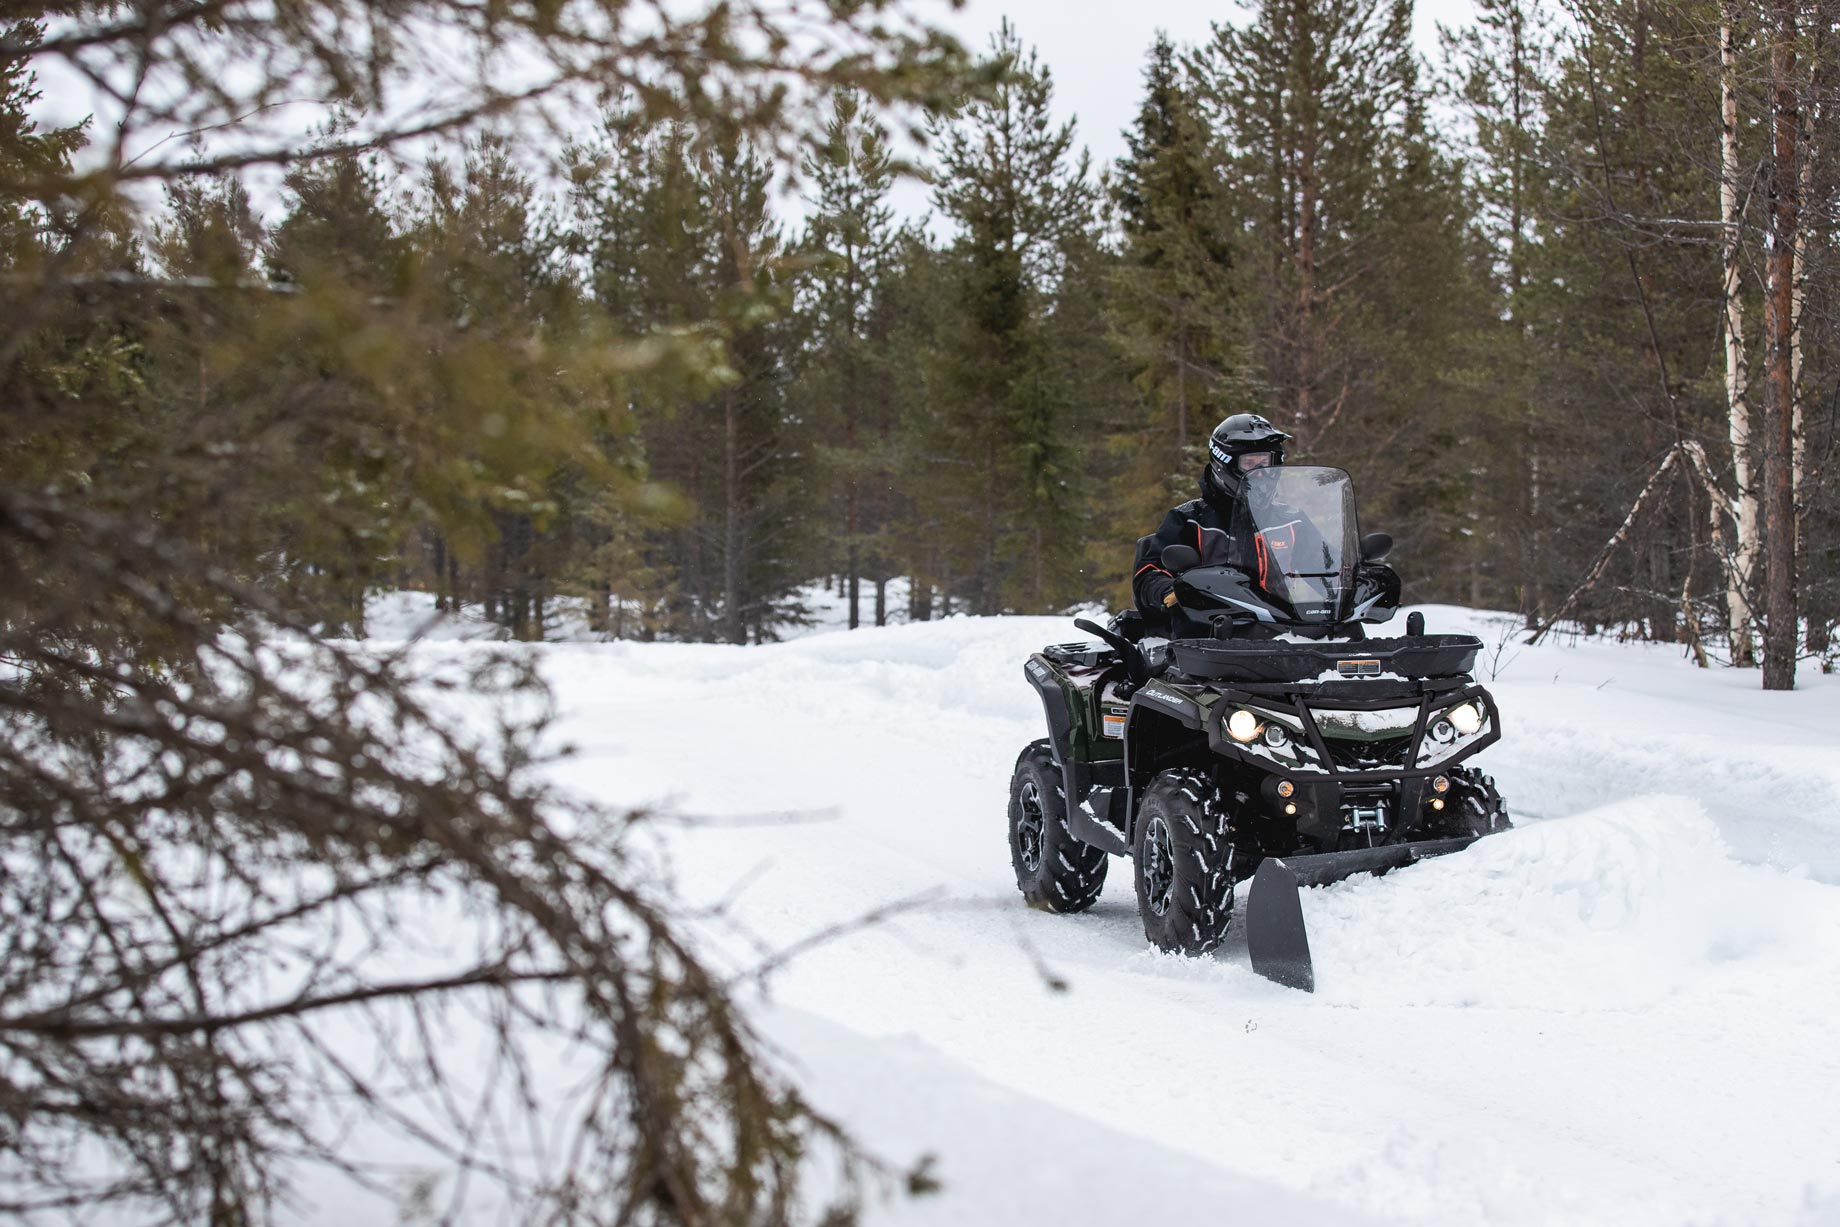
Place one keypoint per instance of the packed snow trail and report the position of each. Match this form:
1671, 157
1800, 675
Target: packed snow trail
1621, 1012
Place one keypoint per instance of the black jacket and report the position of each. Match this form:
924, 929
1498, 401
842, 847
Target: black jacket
1206, 523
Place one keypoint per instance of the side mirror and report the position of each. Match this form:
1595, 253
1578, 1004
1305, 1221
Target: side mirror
1179, 558
1375, 546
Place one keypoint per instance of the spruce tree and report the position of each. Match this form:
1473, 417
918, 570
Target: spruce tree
1623, 308
1305, 97
852, 231
1497, 71
677, 227
1023, 202
1174, 312
1356, 273
764, 488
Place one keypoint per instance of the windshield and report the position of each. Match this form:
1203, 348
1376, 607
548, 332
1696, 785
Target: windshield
1301, 521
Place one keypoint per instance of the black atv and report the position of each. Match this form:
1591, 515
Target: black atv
1271, 740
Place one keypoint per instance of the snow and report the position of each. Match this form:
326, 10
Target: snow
1387, 720
1624, 1011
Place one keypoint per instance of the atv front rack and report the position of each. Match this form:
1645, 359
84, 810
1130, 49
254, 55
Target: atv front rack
1275, 934
1267, 660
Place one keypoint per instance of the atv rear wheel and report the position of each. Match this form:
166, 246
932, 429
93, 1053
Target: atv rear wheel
1054, 870
1184, 867
1475, 806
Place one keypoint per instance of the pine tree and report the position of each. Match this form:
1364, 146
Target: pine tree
1174, 313
28, 154
765, 486
481, 253
1356, 273
1623, 307
1008, 441
677, 227
1782, 624
1497, 73
918, 299
1308, 97
852, 227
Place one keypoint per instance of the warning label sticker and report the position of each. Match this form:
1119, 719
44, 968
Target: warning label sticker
1114, 724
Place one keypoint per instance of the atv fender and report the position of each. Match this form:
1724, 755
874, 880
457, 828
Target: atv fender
1163, 727
1074, 775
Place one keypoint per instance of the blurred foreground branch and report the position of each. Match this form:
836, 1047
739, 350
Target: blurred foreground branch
268, 904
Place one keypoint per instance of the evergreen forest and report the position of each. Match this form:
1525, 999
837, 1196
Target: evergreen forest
1561, 299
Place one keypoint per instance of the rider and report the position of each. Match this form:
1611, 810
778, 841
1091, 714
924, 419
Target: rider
1243, 443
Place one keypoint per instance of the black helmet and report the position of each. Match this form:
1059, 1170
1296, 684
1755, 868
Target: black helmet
1242, 435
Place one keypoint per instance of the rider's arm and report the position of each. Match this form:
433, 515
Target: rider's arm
1154, 587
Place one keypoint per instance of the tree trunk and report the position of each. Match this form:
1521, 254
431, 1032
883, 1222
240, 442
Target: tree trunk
1182, 349
852, 490
440, 572
989, 585
1818, 634
1807, 127
1533, 597
1308, 190
1780, 630
1741, 569
732, 623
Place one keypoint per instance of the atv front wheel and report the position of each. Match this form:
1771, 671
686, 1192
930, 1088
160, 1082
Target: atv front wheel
1184, 864
1054, 870
1475, 806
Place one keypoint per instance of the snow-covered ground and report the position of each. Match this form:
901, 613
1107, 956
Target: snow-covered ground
1625, 1011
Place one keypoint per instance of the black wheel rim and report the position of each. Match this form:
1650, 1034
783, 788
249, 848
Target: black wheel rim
1159, 867
1031, 827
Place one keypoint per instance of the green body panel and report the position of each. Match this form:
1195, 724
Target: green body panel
1082, 687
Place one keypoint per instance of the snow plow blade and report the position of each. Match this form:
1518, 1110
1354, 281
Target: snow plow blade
1275, 935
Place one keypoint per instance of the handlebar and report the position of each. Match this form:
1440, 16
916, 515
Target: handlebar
1135, 666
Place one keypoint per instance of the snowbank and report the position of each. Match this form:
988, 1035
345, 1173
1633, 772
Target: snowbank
1621, 1012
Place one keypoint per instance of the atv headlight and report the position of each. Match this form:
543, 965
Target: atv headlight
1276, 736
1466, 717
1242, 726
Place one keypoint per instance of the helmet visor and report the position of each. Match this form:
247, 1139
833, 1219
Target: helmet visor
1248, 461
1229, 471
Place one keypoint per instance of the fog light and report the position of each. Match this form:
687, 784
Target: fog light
1441, 784
1437, 803
1291, 808
1242, 725
1286, 788
1275, 736
1466, 717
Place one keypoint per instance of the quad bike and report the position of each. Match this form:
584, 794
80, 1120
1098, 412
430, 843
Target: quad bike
1270, 739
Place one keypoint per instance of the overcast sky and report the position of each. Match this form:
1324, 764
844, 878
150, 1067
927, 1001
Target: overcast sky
1095, 50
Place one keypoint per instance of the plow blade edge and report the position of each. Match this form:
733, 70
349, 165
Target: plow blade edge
1275, 935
